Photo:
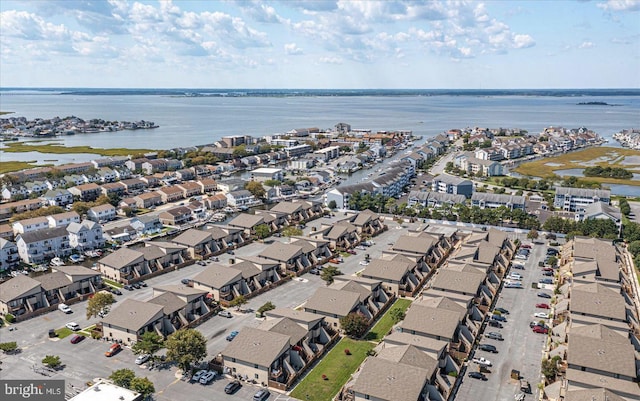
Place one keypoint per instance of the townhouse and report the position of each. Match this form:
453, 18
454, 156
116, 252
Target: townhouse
57, 197
113, 189
146, 224
207, 185
128, 265
216, 201
39, 246
86, 192
299, 211
190, 189
8, 209
248, 223
9, 257
148, 199
102, 213
176, 216
434, 199
290, 257
449, 184
30, 225
63, 219
398, 276
23, 296
241, 198
485, 200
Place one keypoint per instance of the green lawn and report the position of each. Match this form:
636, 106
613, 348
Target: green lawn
112, 283
385, 323
64, 332
57, 148
337, 366
7, 167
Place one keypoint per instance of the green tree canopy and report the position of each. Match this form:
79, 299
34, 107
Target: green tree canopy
354, 324
122, 377
52, 361
238, 301
332, 204
99, 301
266, 307
329, 272
255, 188
291, 231
185, 347
150, 342
262, 231
533, 234
396, 314
142, 385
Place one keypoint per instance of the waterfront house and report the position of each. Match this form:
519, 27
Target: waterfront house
241, 198
41, 245
9, 257
190, 189
266, 173
30, 225
175, 216
207, 185
231, 185
102, 213
12, 191
146, 224
63, 219
113, 189
154, 166
217, 201
135, 164
573, 199
185, 174
86, 235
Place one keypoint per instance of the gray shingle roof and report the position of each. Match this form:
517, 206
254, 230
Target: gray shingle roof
53, 281
295, 315
192, 237
121, 258
245, 220
285, 326
169, 301
409, 355
452, 280
597, 300
387, 270
594, 353
45, 234
332, 301
431, 321
132, 314
390, 381
16, 287
255, 346
217, 276
281, 252
592, 394
414, 244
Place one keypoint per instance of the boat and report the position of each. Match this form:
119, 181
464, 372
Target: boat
57, 261
76, 258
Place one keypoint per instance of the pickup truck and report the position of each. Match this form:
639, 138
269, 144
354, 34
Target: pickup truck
482, 361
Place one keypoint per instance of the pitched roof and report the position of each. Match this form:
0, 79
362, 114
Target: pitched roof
16, 287
281, 252
390, 381
285, 326
409, 355
333, 301
44, 234
352, 286
255, 346
133, 314
246, 268
612, 357
246, 220
170, 302
53, 281
432, 321
294, 314
453, 280
600, 332
387, 270
443, 303
217, 276
121, 258
598, 300
287, 207
424, 343
592, 394
192, 237
414, 244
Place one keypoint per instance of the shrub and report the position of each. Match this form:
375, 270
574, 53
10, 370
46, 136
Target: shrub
453, 373
10, 318
347, 352
9, 347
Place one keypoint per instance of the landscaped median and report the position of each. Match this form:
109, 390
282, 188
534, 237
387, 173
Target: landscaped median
335, 369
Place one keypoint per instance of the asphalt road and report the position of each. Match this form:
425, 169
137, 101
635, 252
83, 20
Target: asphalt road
521, 349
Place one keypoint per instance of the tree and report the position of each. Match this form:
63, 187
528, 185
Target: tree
291, 231
328, 273
238, 301
262, 231
332, 204
533, 234
9, 347
142, 385
396, 314
354, 324
122, 377
98, 302
634, 248
239, 151
255, 188
128, 211
150, 342
390, 205
266, 307
52, 361
625, 208
185, 347
553, 261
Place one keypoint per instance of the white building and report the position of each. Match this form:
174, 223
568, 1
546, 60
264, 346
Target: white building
9, 257
241, 198
326, 154
86, 235
267, 173
102, 213
574, 199
39, 246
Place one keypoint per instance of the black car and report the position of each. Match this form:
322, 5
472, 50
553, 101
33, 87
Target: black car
489, 348
232, 387
478, 375
502, 310
185, 281
544, 295
230, 252
116, 291
495, 323
547, 273
136, 286
315, 271
142, 283
128, 287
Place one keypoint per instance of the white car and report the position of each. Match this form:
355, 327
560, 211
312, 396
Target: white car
514, 276
73, 326
542, 315
207, 377
364, 263
142, 359
196, 377
521, 257
482, 361
64, 308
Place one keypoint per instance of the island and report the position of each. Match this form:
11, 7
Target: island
56, 126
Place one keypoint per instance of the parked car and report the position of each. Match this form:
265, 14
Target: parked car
521, 257
540, 330
544, 295
512, 284
142, 359
548, 273
232, 387
477, 375
502, 310
547, 269
76, 338
261, 395
230, 252
543, 306
142, 284
334, 260
315, 271
225, 313
495, 323
232, 335
482, 361
137, 286
196, 376
351, 251
116, 291
489, 348
499, 318
517, 265
207, 377
214, 259
52, 333
494, 336
114, 349
545, 281
64, 308
537, 323
73, 326
526, 246
128, 287
514, 276
364, 263
201, 263
541, 315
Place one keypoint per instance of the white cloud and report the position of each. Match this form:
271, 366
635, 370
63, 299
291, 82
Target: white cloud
292, 49
330, 60
523, 41
586, 45
620, 5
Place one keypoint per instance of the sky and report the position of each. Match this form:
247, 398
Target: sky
320, 44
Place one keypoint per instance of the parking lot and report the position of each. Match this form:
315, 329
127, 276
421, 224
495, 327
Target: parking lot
521, 349
85, 361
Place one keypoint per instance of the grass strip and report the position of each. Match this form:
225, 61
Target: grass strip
52, 148
337, 366
112, 283
386, 322
7, 167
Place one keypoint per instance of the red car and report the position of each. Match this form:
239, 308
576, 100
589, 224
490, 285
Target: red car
525, 246
543, 306
76, 339
351, 251
547, 269
540, 329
